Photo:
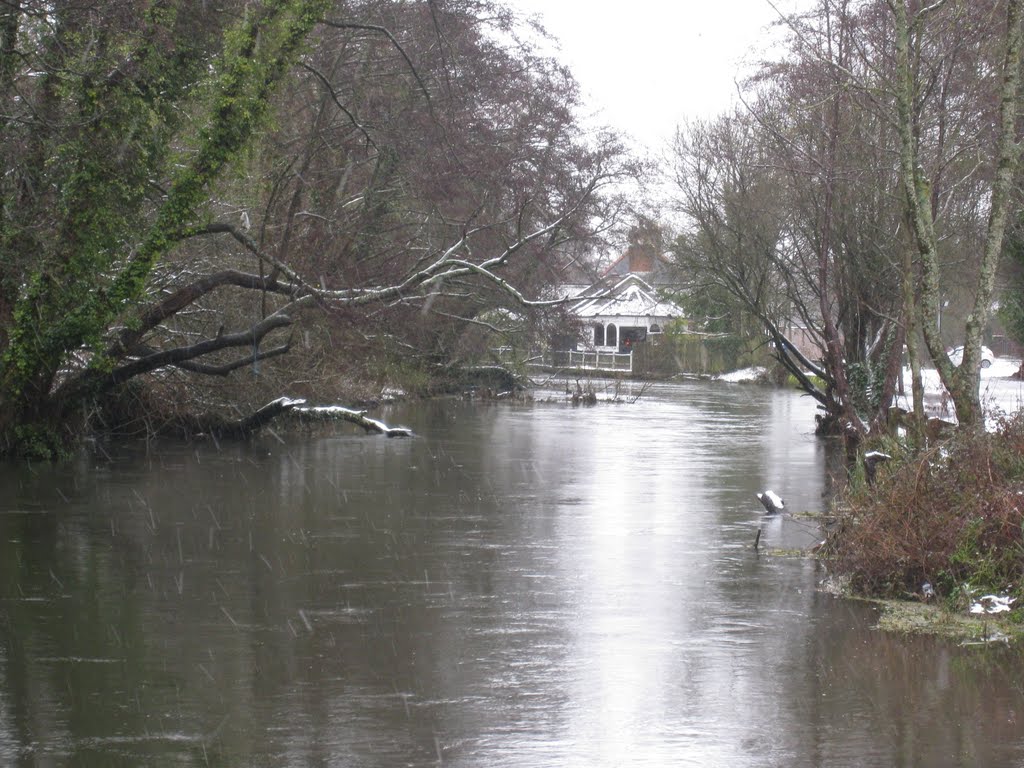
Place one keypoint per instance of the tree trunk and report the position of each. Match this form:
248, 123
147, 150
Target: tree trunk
962, 382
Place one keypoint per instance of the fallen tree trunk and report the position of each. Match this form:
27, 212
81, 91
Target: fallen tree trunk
222, 428
337, 412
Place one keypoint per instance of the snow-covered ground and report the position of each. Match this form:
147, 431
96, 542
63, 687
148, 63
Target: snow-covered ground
1000, 391
743, 375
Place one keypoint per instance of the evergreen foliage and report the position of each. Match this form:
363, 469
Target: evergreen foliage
85, 215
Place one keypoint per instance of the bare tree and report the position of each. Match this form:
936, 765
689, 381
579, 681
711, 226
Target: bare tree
799, 186
996, 166
890, 132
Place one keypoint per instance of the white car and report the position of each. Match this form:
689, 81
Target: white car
956, 356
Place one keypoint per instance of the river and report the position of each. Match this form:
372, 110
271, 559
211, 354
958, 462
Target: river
519, 585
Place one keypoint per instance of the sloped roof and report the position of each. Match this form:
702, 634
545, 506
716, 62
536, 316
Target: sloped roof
630, 297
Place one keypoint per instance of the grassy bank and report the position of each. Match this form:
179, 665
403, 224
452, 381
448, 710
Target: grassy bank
943, 527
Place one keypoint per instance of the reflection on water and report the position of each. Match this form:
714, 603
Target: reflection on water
518, 586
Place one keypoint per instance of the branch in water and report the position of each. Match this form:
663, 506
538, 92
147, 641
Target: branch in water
325, 412
252, 423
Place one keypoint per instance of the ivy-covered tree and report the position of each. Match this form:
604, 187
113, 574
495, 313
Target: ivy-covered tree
107, 173
170, 210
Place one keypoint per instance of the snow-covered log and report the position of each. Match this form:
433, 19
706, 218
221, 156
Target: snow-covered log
219, 427
325, 412
266, 414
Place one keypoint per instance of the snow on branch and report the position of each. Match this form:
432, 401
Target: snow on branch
359, 418
446, 265
296, 407
506, 286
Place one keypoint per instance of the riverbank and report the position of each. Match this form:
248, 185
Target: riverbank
940, 531
909, 617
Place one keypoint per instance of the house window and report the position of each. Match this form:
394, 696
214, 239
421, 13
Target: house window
655, 328
598, 335
612, 336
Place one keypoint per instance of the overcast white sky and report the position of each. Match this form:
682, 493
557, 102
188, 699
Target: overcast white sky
647, 65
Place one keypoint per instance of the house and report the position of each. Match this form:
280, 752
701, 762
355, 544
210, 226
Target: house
628, 312
623, 306
619, 308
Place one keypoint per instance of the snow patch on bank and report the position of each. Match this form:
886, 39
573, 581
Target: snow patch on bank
1001, 392
744, 375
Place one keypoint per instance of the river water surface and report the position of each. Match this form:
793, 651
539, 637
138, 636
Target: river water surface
518, 585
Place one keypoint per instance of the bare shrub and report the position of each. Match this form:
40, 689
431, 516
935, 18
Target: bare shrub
950, 516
